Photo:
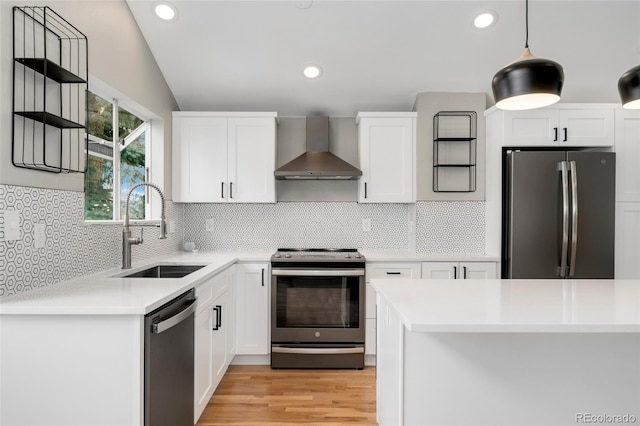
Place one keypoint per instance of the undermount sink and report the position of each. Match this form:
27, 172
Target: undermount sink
164, 271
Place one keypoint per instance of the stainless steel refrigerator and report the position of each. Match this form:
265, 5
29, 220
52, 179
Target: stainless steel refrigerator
558, 215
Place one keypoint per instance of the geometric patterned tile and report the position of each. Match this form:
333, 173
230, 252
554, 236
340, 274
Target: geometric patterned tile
72, 248
297, 224
450, 227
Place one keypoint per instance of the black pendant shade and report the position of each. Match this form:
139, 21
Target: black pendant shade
629, 88
527, 83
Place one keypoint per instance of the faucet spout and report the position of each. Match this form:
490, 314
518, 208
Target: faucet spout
127, 240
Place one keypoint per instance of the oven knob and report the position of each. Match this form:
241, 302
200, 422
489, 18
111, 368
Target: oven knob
358, 256
317, 334
348, 256
277, 255
287, 255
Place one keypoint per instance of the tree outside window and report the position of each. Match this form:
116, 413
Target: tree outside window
117, 161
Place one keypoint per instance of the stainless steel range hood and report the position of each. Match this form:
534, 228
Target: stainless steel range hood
317, 162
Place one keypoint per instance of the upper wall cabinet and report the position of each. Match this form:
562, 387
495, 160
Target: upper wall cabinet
223, 157
387, 143
560, 126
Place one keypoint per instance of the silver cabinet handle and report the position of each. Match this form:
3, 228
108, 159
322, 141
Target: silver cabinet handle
318, 273
565, 218
174, 320
574, 216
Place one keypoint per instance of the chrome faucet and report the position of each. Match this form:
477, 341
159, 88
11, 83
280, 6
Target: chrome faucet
127, 239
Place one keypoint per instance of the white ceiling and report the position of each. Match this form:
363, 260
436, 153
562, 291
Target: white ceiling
377, 55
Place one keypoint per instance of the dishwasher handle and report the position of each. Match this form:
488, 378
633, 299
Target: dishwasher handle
161, 326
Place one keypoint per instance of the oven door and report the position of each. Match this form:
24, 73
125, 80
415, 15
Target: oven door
317, 306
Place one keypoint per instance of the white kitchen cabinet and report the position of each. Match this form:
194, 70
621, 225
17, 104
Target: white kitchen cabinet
223, 157
559, 126
627, 265
627, 150
382, 270
387, 145
627, 194
252, 309
213, 328
459, 270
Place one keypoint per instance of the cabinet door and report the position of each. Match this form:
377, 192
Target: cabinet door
230, 312
439, 270
627, 241
252, 309
531, 128
199, 158
203, 359
627, 155
252, 160
387, 150
477, 270
220, 358
586, 127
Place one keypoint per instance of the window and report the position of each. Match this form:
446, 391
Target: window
119, 158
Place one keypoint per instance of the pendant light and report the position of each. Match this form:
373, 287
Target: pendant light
629, 88
528, 82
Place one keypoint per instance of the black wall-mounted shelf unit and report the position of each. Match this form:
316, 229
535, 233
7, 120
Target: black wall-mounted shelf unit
50, 81
454, 151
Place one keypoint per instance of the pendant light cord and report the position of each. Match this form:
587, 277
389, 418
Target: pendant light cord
526, 23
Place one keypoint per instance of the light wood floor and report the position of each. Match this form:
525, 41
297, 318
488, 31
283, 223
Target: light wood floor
258, 395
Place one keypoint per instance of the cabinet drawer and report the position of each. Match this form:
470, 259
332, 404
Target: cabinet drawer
393, 270
211, 289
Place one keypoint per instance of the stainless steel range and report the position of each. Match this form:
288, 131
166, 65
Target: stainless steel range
317, 308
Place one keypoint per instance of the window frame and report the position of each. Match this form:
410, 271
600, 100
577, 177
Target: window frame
153, 126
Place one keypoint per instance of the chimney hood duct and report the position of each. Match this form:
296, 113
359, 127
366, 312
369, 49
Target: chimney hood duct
317, 162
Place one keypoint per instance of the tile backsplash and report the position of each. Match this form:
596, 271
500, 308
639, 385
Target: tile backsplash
450, 227
297, 224
442, 227
72, 247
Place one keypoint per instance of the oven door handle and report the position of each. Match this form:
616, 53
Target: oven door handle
317, 351
318, 272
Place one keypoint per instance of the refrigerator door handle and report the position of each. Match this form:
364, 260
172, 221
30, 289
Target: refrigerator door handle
574, 216
565, 218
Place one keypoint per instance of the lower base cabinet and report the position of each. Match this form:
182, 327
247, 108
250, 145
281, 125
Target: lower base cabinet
252, 309
214, 339
459, 270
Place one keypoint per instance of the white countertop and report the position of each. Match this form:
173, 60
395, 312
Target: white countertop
539, 306
104, 294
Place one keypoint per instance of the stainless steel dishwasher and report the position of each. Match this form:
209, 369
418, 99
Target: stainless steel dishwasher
168, 363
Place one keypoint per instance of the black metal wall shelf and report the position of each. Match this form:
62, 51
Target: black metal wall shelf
454, 151
51, 70
50, 80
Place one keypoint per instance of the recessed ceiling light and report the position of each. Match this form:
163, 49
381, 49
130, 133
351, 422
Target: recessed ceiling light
485, 20
312, 71
165, 11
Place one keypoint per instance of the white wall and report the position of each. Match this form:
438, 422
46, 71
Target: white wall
118, 55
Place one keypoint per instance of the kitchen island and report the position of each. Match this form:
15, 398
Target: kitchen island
507, 352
